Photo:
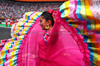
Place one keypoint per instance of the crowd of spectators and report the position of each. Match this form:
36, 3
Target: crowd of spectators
12, 9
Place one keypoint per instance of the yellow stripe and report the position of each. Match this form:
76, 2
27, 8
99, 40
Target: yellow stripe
23, 32
38, 13
11, 61
24, 20
97, 25
27, 15
34, 17
98, 53
1, 60
83, 10
8, 44
14, 35
12, 39
89, 39
20, 37
88, 11
18, 25
94, 53
67, 8
92, 25
25, 29
31, 21
28, 24
17, 31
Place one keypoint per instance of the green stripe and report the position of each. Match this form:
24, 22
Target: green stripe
94, 52
92, 25
83, 13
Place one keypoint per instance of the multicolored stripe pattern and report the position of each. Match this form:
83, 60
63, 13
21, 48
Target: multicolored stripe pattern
9, 51
9, 48
84, 16
24, 24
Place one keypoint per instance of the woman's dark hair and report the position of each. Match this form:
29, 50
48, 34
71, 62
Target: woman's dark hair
46, 15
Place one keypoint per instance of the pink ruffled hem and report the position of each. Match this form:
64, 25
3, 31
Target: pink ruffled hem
78, 38
19, 56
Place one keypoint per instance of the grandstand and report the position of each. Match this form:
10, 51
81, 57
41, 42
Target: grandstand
14, 9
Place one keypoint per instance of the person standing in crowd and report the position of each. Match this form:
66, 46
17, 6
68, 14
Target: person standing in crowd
11, 22
6, 22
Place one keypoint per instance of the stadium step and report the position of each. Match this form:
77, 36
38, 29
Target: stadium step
5, 33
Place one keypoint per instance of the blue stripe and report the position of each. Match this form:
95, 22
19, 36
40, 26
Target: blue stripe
61, 8
78, 10
14, 39
45, 37
15, 59
67, 20
91, 54
63, 14
88, 25
78, 31
4, 59
1, 64
85, 39
23, 25
98, 32
37, 16
69, 23
29, 15
18, 50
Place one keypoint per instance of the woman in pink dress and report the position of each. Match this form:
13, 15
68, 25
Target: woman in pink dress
46, 23
57, 47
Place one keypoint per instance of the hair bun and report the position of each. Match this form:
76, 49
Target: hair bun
51, 11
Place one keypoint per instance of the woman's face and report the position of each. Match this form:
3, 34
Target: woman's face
43, 23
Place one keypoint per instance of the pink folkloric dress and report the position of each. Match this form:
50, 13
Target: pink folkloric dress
73, 41
58, 48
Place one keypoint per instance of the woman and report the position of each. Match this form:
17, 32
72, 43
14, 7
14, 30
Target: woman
46, 20
46, 23
55, 47
60, 45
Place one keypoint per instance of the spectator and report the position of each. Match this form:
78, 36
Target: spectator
11, 9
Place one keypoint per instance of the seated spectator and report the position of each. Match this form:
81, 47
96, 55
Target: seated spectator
11, 9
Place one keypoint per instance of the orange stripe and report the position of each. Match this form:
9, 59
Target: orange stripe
98, 53
97, 25
76, 25
14, 27
93, 38
88, 11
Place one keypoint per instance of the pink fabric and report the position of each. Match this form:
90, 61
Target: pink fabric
28, 53
30, 48
63, 47
43, 46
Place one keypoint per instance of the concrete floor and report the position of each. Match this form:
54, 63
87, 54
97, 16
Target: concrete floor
5, 33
